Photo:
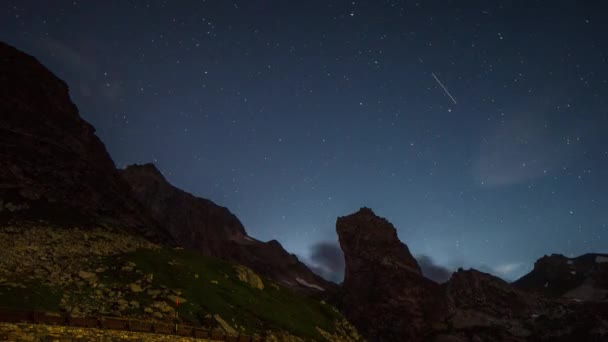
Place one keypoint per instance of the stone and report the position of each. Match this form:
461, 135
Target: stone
135, 288
227, 328
86, 275
153, 293
163, 306
149, 277
174, 299
246, 275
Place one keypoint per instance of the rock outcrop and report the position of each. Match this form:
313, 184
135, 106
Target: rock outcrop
387, 299
54, 167
384, 293
202, 225
583, 278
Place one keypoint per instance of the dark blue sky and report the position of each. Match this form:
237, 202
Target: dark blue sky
292, 113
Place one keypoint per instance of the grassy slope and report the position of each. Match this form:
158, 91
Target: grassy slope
35, 297
251, 309
236, 301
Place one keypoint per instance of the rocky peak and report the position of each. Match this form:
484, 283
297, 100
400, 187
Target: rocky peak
384, 292
54, 167
368, 240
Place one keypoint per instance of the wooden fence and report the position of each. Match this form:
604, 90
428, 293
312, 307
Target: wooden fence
125, 324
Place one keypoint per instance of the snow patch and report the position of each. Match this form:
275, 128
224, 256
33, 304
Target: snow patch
248, 238
601, 259
570, 262
573, 272
305, 283
546, 284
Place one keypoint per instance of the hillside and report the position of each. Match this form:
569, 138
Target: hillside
100, 272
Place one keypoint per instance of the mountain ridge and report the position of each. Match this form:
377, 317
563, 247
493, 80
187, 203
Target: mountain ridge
201, 224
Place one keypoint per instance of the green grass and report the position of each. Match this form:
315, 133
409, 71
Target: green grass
235, 301
248, 309
35, 297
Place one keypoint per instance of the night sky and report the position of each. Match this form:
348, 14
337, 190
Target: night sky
291, 113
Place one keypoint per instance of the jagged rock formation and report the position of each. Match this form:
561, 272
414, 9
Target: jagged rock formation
582, 278
384, 293
200, 224
53, 165
387, 299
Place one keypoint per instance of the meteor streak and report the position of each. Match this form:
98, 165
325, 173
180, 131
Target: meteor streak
444, 88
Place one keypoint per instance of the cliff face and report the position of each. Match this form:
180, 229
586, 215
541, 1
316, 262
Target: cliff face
384, 292
194, 222
200, 224
54, 167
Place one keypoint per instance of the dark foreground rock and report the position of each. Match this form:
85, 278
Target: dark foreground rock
54, 167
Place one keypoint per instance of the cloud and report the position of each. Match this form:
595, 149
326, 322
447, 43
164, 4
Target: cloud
518, 150
508, 271
432, 270
508, 267
327, 260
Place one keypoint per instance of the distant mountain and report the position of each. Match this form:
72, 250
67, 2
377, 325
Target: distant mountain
387, 298
583, 278
53, 166
202, 225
